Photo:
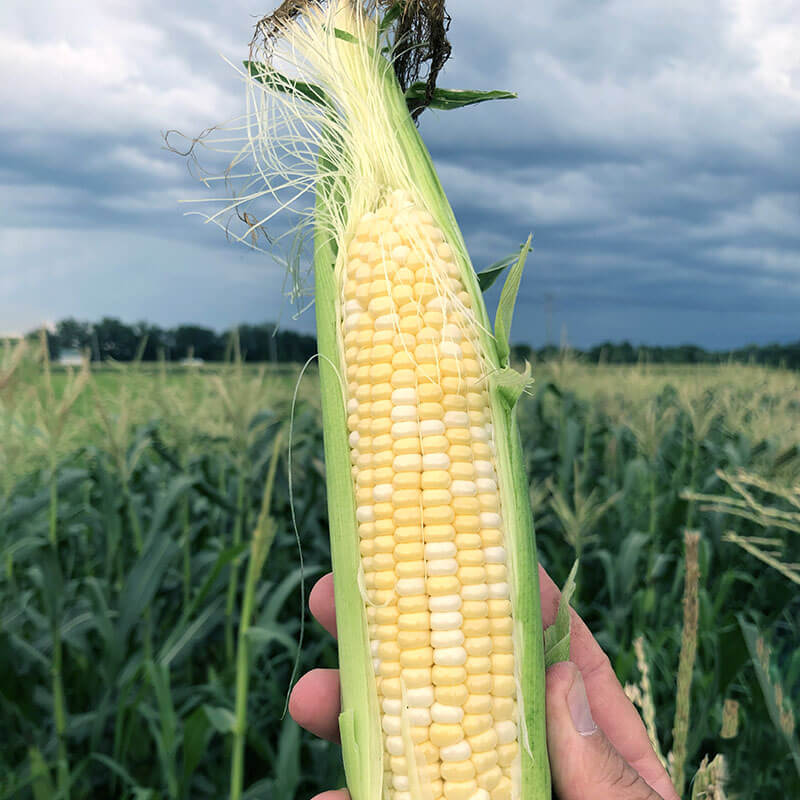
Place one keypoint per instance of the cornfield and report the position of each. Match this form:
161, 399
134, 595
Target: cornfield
133, 503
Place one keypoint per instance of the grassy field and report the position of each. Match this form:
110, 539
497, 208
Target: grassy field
152, 587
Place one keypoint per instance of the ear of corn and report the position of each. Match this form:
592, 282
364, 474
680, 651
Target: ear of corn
432, 543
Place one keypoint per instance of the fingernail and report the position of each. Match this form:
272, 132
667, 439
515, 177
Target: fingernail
579, 710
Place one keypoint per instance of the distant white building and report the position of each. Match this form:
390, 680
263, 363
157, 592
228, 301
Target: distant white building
69, 357
191, 361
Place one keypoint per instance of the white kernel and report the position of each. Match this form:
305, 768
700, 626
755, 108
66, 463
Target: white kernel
454, 752
365, 514
481, 794
400, 782
402, 796
444, 602
498, 591
452, 349
352, 405
404, 396
390, 705
353, 306
409, 462
431, 427
351, 321
475, 591
382, 493
408, 587
452, 638
404, 413
353, 439
449, 715
479, 433
420, 717
484, 469
402, 429
450, 656
446, 620
373, 647
494, 555
391, 725
436, 461
439, 303
440, 550
442, 566
486, 485
420, 698
456, 418
506, 731
400, 253
453, 332
490, 519
463, 488
394, 745
387, 322
376, 665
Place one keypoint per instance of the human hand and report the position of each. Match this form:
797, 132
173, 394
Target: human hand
598, 745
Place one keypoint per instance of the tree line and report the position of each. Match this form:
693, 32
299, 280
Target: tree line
773, 355
110, 338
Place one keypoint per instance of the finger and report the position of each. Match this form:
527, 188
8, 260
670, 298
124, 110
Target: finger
611, 708
315, 705
321, 603
333, 794
584, 763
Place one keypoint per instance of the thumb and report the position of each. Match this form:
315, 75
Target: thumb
584, 763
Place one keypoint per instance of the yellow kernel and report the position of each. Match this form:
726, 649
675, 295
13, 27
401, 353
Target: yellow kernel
479, 684
476, 627
419, 657
488, 779
503, 685
444, 584
473, 724
479, 704
409, 551
502, 708
412, 604
451, 695
478, 665
502, 663
479, 645
448, 676
412, 639
419, 621
436, 479
472, 557
458, 770
417, 678
439, 533
443, 735
484, 741
460, 790
409, 569
506, 753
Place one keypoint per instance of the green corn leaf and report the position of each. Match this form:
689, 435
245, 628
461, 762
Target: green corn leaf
270, 77
196, 735
556, 637
448, 99
41, 782
505, 308
488, 276
223, 720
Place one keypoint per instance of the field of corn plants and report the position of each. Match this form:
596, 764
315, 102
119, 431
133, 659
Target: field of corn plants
156, 561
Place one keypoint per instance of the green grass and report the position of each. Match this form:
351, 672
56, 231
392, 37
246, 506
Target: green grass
128, 501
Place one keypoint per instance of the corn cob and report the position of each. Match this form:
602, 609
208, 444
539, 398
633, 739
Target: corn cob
434, 560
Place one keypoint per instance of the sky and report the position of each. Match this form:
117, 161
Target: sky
652, 152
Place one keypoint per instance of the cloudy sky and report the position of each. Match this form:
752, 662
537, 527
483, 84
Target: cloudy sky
653, 152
